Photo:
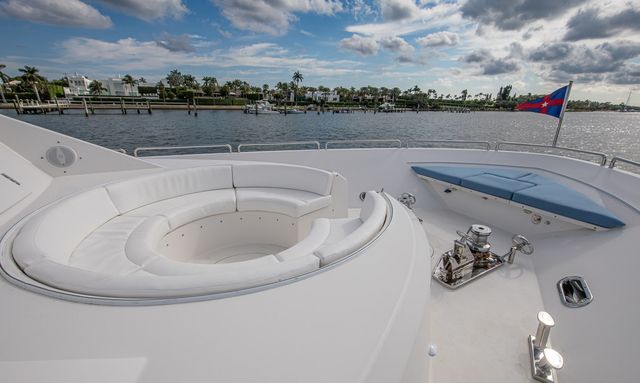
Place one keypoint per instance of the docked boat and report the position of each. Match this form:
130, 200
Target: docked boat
260, 107
410, 263
386, 107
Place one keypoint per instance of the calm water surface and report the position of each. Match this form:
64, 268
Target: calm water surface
609, 132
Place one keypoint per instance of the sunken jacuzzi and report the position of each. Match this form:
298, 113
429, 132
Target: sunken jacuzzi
198, 231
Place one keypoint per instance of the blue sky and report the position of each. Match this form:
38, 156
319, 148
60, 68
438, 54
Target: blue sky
448, 46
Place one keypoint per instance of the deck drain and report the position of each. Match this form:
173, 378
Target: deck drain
574, 291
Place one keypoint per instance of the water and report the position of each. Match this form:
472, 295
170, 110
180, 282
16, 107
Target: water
608, 132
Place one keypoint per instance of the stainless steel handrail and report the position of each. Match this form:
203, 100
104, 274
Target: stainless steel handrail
392, 141
615, 159
486, 144
146, 148
123, 151
603, 157
316, 143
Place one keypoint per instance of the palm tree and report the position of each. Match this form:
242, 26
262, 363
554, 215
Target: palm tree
31, 77
4, 79
96, 88
129, 80
142, 80
174, 78
297, 78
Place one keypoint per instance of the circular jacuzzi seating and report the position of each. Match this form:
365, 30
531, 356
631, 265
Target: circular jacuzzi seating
113, 241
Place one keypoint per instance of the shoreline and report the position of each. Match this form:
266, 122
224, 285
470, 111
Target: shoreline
185, 107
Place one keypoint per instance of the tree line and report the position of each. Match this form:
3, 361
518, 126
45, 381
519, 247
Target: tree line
177, 85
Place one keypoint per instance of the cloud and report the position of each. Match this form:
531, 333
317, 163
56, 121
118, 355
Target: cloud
440, 15
361, 10
394, 10
489, 64
439, 39
145, 56
396, 44
65, 13
148, 10
592, 24
606, 62
272, 17
361, 45
515, 14
307, 33
531, 31
176, 43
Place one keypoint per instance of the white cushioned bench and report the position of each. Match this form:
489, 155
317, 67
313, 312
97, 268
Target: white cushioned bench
115, 240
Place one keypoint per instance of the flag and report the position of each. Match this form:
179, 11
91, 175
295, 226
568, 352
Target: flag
550, 104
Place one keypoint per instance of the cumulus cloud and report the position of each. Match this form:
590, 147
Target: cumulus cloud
136, 55
66, 13
176, 43
592, 24
489, 64
361, 45
148, 9
562, 61
515, 14
396, 44
439, 39
361, 10
394, 10
272, 17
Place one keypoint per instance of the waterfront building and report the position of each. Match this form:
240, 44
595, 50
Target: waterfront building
330, 96
78, 85
116, 87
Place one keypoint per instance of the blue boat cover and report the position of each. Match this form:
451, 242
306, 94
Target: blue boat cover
527, 188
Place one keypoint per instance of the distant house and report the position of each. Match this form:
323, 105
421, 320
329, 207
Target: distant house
78, 85
115, 87
331, 96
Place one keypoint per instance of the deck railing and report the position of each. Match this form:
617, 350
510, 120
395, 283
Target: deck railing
281, 144
616, 159
486, 145
391, 143
601, 156
137, 151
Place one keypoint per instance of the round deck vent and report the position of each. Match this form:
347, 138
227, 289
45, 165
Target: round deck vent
61, 156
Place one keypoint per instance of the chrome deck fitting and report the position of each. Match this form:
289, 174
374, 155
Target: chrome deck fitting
544, 360
471, 257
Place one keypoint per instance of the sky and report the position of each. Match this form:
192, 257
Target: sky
479, 45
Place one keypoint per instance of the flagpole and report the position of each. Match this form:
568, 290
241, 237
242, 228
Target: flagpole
564, 107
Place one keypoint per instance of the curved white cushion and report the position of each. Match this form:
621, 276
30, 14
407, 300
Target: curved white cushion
142, 285
207, 204
103, 250
132, 194
294, 203
375, 211
282, 176
141, 245
56, 231
317, 235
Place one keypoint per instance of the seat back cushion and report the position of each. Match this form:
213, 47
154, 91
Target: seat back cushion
131, 194
283, 176
55, 232
373, 215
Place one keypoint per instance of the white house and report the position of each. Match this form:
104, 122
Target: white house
115, 87
331, 96
78, 85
